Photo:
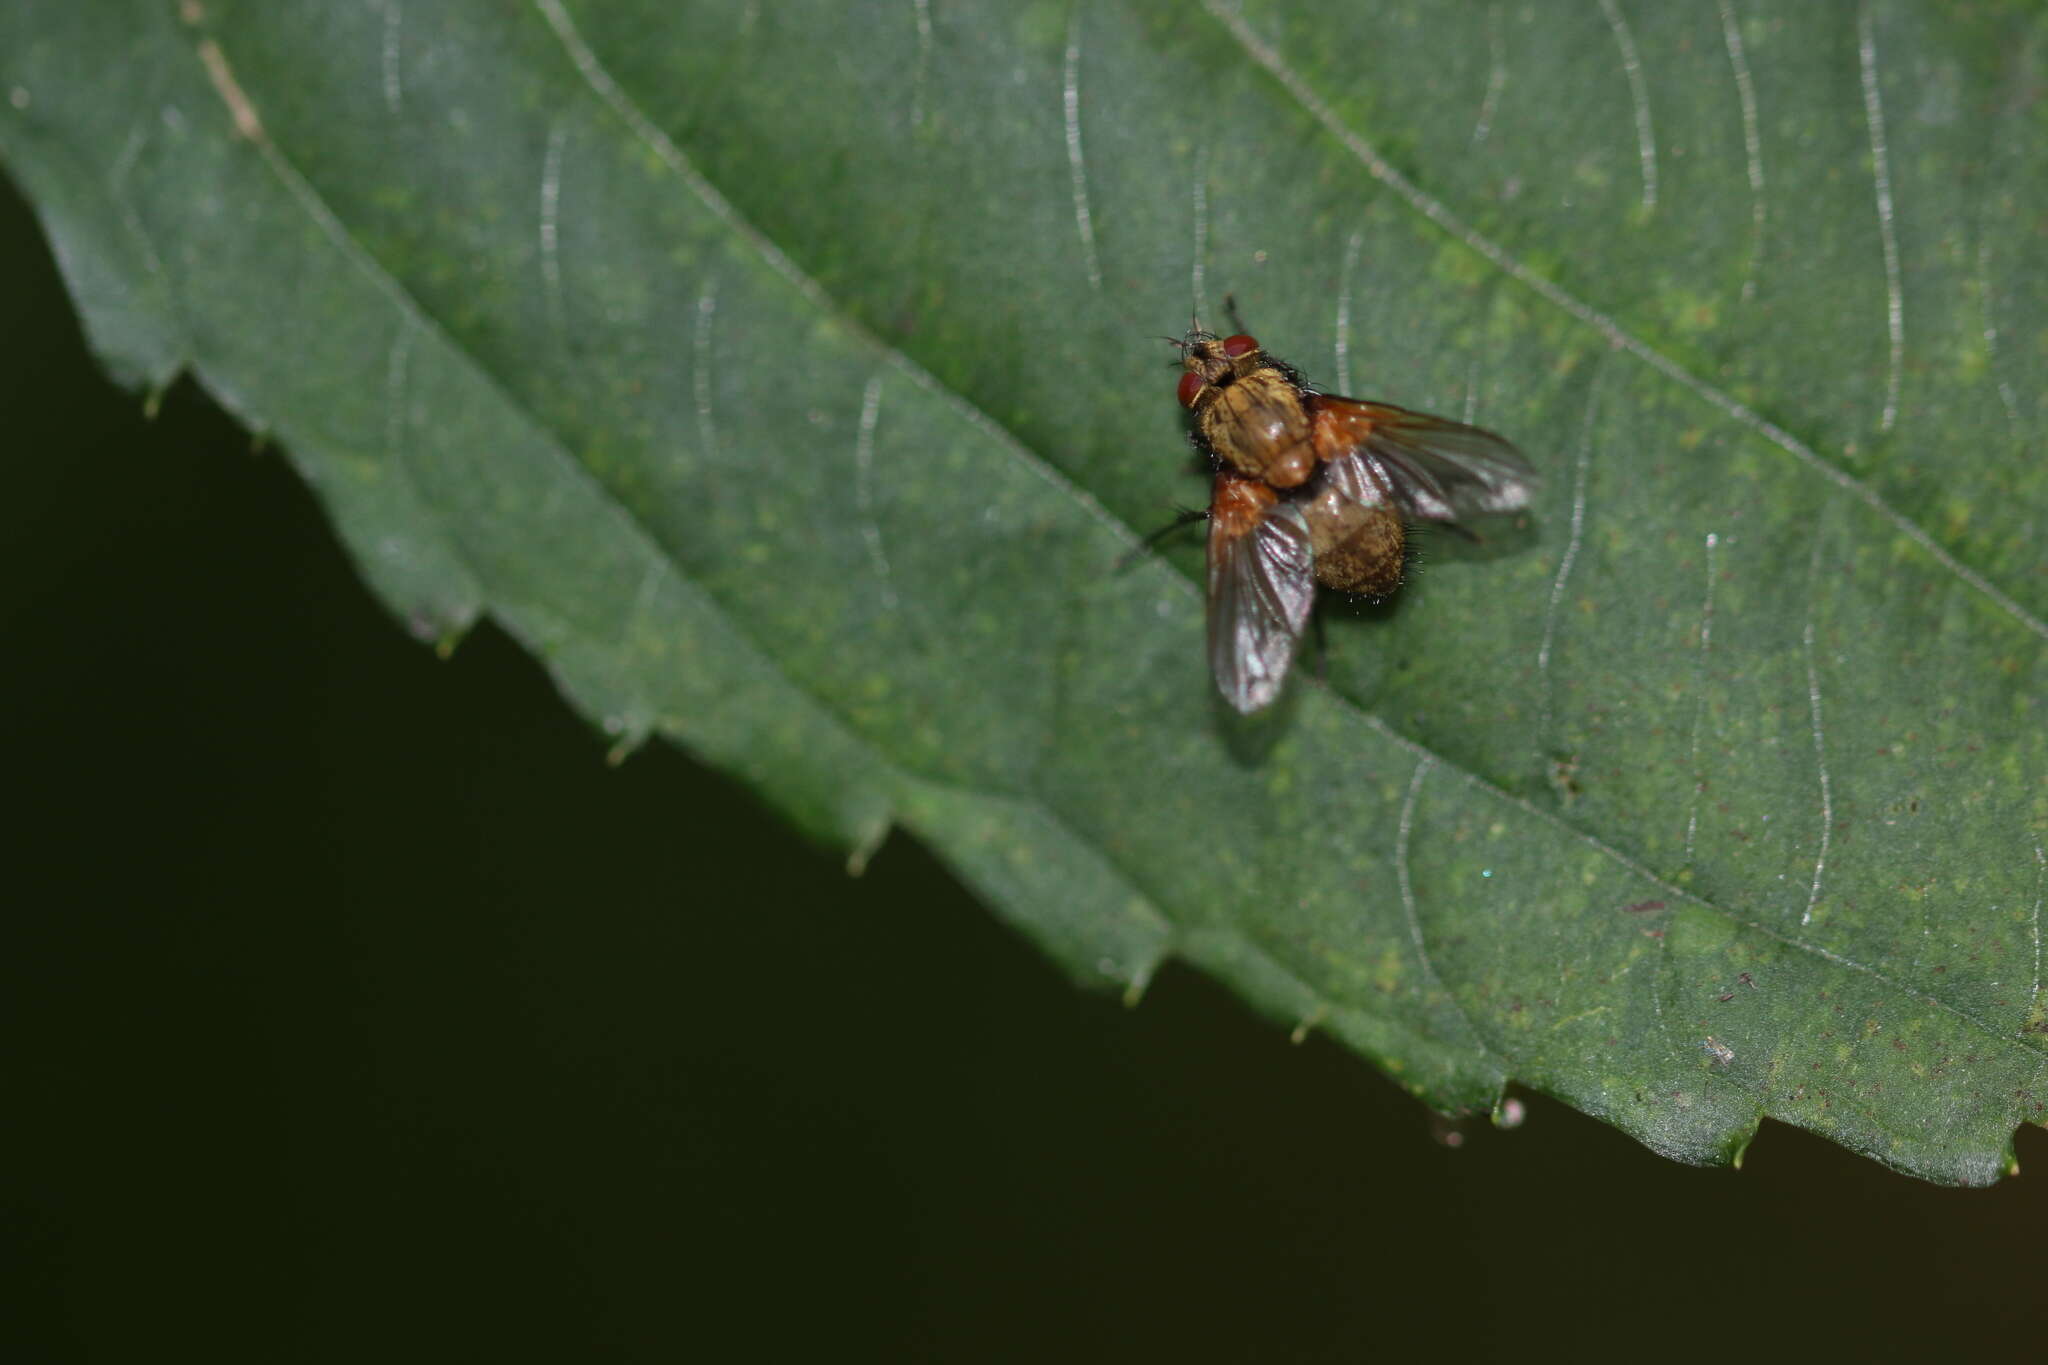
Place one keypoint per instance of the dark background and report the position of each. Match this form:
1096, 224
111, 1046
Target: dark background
354, 1008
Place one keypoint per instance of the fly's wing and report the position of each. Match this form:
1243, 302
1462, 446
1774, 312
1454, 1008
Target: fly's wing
1261, 585
1431, 468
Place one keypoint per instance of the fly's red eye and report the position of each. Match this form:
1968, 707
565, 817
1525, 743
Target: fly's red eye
1239, 345
1190, 385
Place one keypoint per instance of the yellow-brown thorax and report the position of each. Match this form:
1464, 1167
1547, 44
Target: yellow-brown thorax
1250, 413
1259, 426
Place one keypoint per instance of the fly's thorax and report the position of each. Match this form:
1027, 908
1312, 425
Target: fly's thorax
1237, 504
1258, 425
1357, 548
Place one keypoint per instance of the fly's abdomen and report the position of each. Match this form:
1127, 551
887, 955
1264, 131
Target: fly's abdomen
1357, 548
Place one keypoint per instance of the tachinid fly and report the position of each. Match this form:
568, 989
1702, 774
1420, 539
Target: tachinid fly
1311, 488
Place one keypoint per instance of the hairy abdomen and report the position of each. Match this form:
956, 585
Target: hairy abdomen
1357, 549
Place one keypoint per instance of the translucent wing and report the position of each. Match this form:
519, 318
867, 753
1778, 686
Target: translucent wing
1433, 469
1261, 585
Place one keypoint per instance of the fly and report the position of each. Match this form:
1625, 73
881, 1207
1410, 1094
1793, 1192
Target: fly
1311, 488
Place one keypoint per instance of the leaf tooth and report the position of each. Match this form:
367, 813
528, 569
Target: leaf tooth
870, 841
1141, 979
632, 733
1735, 1145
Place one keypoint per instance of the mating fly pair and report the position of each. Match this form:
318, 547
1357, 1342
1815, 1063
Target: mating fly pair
1312, 488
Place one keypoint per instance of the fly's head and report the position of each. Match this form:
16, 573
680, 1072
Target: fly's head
1210, 362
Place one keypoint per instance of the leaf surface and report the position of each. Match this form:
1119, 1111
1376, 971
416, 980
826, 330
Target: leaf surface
782, 375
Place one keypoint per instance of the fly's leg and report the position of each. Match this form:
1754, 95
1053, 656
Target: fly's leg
1230, 311
1186, 516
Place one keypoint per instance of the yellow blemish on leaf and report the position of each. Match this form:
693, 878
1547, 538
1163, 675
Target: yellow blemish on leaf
230, 91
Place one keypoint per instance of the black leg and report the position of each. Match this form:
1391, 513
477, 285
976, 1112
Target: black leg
1230, 310
1187, 516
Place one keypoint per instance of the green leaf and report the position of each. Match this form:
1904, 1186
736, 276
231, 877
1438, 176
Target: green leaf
783, 376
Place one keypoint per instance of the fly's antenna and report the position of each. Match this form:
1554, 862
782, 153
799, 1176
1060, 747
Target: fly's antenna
1230, 307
